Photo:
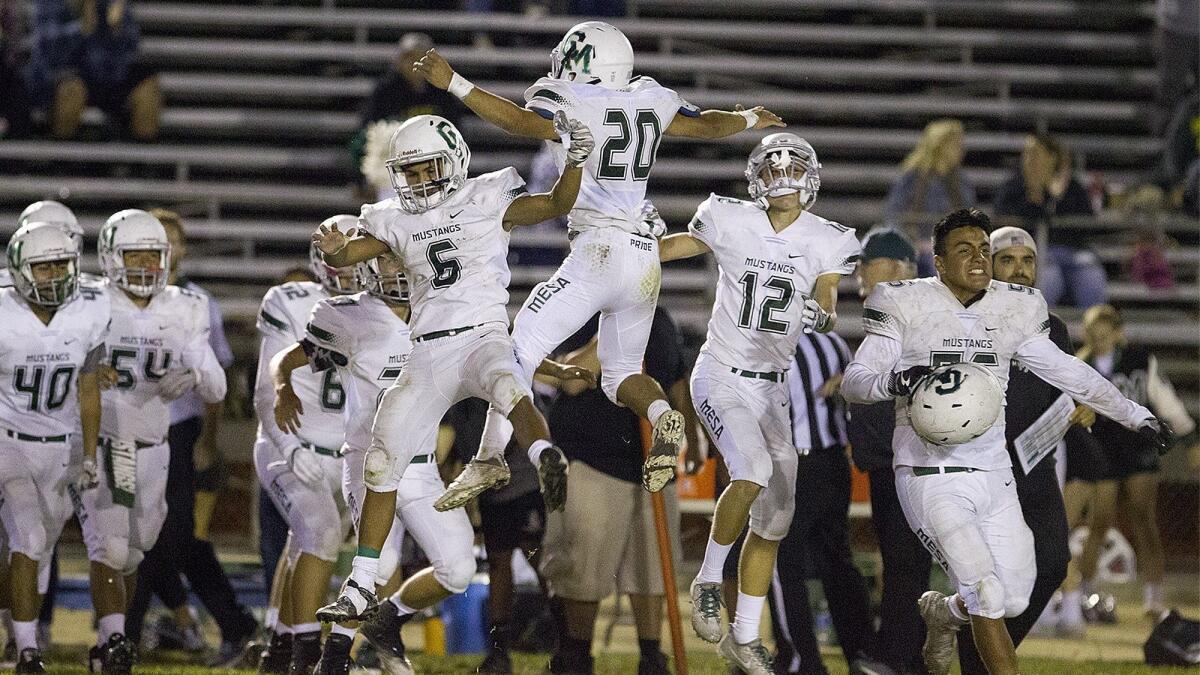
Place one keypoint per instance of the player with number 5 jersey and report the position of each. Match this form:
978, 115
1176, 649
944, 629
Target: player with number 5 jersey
613, 267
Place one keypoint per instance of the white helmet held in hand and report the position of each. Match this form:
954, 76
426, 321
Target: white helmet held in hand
955, 403
134, 230
56, 213
338, 281
36, 243
790, 164
593, 52
384, 278
427, 139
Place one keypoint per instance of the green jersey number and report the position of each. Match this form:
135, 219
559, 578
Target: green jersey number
782, 292
646, 130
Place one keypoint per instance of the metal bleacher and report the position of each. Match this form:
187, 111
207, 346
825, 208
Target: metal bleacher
261, 98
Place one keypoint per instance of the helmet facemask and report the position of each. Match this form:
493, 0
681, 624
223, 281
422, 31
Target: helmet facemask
141, 281
435, 180
338, 281
52, 291
782, 168
383, 277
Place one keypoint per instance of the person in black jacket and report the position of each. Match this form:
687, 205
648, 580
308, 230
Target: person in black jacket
1132, 466
888, 256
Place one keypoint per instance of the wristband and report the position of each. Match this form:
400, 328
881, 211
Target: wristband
751, 118
460, 86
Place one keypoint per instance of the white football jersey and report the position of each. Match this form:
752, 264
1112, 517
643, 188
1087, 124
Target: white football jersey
170, 333
627, 124
283, 316
455, 255
368, 344
933, 329
40, 364
764, 277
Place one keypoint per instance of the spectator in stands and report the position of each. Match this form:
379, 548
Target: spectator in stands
932, 183
401, 93
1132, 467
86, 51
603, 442
14, 104
1038, 194
1177, 47
195, 461
1181, 148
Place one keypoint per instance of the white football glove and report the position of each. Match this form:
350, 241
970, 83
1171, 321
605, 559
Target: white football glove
305, 463
654, 222
578, 138
176, 383
86, 480
814, 318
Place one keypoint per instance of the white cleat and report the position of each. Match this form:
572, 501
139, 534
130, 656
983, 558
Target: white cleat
706, 610
659, 467
479, 475
752, 657
940, 629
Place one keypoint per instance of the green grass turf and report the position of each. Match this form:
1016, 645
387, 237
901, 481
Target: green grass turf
700, 663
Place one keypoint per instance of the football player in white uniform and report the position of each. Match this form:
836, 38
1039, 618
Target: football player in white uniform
961, 499
452, 235
779, 269
366, 338
53, 212
158, 348
301, 467
51, 346
613, 267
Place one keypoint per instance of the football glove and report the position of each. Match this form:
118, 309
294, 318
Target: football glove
86, 480
814, 318
1158, 435
306, 465
655, 224
176, 383
904, 382
579, 139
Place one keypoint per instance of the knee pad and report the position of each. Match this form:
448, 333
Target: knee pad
323, 538
112, 552
986, 598
455, 575
378, 469
611, 382
507, 392
132, 560
29, 540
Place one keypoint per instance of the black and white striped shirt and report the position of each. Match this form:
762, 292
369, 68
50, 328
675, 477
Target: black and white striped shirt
817, 422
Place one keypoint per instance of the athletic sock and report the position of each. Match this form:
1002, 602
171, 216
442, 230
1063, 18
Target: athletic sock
712, 570
339, 629
535, 450
656, 410
283, 629
1071, 612
109, 625
747, 617
271, 618
25, 633
955, 612
497, 431
1152, 596
365, 567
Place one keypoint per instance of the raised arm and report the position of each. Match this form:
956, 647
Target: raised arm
340, 251
679, 246
497, 110
722, 123
536, 208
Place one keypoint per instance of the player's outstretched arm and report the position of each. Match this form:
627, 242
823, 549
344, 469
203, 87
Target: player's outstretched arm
288, 407
338, 250
495, 109
722, 123
679, 246
870, 377
1079, 381
565, 372
536, 208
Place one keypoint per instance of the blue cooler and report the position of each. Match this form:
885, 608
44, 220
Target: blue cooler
466, 619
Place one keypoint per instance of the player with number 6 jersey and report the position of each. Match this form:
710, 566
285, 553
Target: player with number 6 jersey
613, 267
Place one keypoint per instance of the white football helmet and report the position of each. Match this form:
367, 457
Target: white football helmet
38, 242
338, 281
955, 403
593, 52
134, 230
428, 138
384, 278
57, 213
790, 164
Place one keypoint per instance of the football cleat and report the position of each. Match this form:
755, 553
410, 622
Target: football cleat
659, 467
277, 657
1099, 608
552, 476
495, 663
306, 652
114, 657
479, 475
752, 657
30, 661
382, 630
940, 629
706, 610
353, 603
335, 656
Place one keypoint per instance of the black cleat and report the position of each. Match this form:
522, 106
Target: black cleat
114, 657
354, 603
277, 657
653, 664
495, 663
552, 476
306, 651
335, 656
30, 661
382, 630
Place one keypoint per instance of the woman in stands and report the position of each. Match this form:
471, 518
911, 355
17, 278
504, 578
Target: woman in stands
932, 184
1132, 474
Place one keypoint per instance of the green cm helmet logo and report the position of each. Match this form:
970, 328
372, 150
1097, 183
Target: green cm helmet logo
576, 53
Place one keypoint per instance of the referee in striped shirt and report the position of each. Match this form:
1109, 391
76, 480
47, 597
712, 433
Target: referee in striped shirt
817, 545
